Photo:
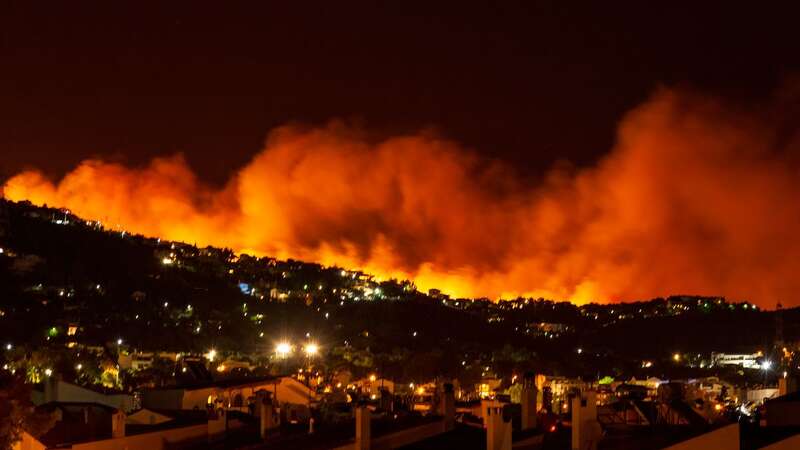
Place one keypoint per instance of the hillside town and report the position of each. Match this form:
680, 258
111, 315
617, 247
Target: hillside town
115, 340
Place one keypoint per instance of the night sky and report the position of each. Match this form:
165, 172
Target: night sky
530, 83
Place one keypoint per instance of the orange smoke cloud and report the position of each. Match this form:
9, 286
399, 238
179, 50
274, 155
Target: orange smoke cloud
693, 199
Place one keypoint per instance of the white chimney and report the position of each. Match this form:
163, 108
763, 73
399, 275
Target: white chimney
586, 429
498, 429
363, 435
118, 424
528, 399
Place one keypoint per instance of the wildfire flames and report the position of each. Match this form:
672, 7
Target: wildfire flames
693, 199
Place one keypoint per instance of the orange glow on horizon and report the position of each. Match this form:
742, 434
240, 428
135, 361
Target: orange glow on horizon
693, 199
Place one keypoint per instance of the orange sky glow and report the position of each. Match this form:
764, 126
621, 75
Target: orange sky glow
694, 198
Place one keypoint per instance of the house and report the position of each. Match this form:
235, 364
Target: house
92, 426
146, 416
57, 390
293, 396
373, 385
745, 360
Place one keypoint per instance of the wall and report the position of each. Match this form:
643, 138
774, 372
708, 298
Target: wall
163, 399
782, 413
402, 437
28, 442
759, 395
196, 398
793, 443
725, 438
61, 391
158, 440
217, 427
408, 436
374, 387
289, 390
146, 417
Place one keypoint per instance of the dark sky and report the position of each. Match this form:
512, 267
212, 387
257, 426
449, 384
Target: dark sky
529, 82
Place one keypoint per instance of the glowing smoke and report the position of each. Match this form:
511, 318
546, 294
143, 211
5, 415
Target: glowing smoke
693, 199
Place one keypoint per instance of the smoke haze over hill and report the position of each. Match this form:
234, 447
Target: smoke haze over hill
696, 197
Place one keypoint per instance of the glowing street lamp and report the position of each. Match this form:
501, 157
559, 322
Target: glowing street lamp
211, 354
766, 365
283, 349
311, 349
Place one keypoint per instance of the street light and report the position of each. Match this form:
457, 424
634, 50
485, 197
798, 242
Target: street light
283, 349
311, 349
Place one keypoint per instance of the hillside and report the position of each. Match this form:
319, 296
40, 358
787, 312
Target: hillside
66, 281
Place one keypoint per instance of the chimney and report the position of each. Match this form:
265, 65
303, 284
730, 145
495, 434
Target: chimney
498, 427
528, 399
786, 385
447, 406
51, 389
540, 382
486, 403
266, 416
586, 429
363, 436
217, 424
118, 424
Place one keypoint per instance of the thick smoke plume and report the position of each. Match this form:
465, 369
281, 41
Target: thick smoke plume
694, 198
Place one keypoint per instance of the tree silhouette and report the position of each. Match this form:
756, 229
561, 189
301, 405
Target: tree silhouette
17, 412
